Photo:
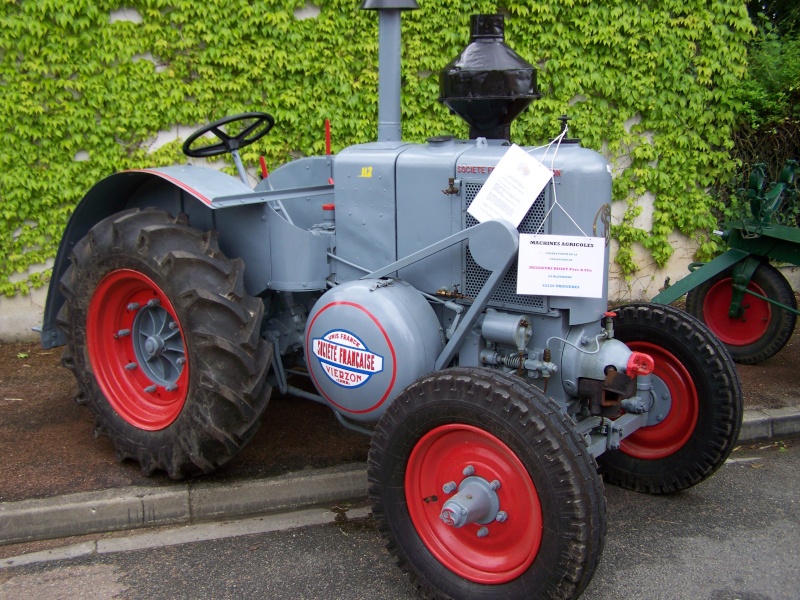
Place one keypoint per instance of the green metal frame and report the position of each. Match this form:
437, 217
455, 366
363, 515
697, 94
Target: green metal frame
752, 241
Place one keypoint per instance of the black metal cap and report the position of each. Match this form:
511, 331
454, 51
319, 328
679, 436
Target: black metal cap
389, 5
488, 84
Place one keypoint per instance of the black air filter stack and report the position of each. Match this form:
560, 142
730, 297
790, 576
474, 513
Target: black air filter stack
488, 84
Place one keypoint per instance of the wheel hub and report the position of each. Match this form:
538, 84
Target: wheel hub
475, 502
154, 346
462, 523
157, 344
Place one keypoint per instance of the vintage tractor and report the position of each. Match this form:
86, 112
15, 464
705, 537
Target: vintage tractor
740, 295
184, 297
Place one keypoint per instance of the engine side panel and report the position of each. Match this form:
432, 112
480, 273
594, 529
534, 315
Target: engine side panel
366, 226
428, 211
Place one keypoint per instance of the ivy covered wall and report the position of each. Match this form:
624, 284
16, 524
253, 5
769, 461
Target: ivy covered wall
87, 84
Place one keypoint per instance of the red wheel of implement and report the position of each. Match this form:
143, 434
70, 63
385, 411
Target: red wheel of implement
137, 350
508, 547
748, 328
762, 329
674, 431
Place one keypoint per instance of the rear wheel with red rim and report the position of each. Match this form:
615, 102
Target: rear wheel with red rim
762, 329
164, 342
698, 402
137, 349
484, 490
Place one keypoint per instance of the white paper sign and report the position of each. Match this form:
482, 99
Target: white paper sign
511, 188
561, 265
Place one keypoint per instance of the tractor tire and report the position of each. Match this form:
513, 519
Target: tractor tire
164, 343
702, 424
548, 540
763, 329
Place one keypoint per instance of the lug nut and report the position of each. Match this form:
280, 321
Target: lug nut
180, 360
130, 366
122, 333
495, 485
469, 470
153, 302
483, 532
449, 488
150, 389
133, 306
501, 517
170, 387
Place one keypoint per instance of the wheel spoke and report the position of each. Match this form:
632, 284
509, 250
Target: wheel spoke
172, 368
156, 366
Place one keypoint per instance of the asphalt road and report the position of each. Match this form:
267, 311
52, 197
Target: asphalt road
736, 536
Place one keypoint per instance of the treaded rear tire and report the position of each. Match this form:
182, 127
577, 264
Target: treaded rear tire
705, 388
710, 301
562, 472
221, 390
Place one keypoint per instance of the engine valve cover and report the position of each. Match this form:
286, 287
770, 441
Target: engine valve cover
366, 341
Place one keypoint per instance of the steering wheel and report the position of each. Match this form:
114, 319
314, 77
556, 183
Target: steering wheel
260, 127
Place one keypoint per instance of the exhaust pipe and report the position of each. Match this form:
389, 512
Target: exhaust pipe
389, 64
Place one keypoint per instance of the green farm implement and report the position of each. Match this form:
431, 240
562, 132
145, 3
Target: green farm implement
740, 295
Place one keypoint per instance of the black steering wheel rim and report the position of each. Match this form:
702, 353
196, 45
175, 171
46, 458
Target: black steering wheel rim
227, 142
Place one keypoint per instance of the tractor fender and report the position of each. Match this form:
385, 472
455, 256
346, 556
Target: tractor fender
182, 189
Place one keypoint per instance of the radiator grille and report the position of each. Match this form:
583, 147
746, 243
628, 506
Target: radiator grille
475, 276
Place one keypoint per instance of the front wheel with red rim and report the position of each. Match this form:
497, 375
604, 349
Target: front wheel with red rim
762, 329
697, 399
484, 490
164, 342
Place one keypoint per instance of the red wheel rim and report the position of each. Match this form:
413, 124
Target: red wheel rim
748, 329
510, 547
669, 436
137, 350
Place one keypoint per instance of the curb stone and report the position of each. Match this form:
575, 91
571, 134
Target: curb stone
138, 507
769, 423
